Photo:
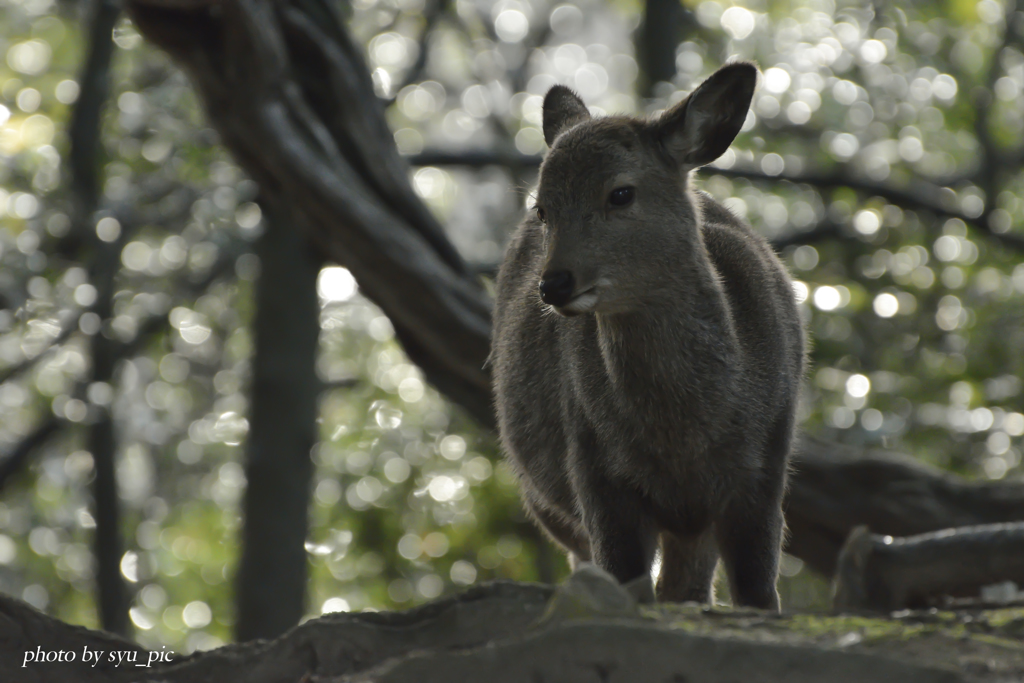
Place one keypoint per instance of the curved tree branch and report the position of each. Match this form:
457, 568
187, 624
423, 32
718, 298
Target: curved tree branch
292, 98
921, 195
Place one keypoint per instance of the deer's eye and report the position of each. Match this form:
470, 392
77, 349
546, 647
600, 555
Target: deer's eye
621, 196
543, 217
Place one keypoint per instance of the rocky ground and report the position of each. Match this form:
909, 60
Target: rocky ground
590, 630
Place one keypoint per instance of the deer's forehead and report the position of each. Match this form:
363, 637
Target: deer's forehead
587, 158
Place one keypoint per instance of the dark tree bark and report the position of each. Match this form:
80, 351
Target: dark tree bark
282, 433
94, 87
108, 546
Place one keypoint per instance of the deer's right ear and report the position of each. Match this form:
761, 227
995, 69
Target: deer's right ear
563, 109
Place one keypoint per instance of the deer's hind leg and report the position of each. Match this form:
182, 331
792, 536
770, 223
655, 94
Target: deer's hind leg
687, 568
750, 533
751, 540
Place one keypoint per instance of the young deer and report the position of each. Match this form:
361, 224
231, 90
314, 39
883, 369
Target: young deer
648, 352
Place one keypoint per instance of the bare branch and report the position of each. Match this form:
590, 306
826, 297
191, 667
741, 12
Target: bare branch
921, 196
14, 460
475, 158
66, 331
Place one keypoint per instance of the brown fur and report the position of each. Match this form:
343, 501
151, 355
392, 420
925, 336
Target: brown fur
660, 405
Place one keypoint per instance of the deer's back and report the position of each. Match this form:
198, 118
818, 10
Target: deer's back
761, 300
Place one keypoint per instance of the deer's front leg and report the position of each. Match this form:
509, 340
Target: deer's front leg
623, 537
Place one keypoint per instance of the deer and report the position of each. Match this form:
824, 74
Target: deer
648, 352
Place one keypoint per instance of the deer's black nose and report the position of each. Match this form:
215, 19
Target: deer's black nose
556, 288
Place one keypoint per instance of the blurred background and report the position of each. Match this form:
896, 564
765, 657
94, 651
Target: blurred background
882, 155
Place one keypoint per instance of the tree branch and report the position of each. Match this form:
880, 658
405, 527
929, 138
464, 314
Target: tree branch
475, 158
352, 197
26, 364
15, 459
920, 196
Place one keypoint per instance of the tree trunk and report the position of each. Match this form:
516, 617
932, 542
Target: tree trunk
112, 594
883, 573
656, 40
279, 471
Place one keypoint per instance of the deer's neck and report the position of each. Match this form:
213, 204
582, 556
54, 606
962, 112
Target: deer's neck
679, 349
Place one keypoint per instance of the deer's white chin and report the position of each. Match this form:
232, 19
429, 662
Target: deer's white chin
582, 303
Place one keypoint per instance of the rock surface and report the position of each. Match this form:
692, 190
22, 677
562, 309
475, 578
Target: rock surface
589, 629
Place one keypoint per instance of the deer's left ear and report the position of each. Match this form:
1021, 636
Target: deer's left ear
699, 129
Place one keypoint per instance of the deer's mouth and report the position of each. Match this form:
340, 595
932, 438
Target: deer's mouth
584, 302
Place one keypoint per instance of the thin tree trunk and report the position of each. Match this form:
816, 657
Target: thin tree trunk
656, 40
272, 574
112, 595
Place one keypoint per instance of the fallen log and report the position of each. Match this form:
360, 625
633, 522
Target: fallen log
883, 573
835, 489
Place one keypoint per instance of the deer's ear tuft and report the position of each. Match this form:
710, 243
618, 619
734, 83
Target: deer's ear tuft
699, 129
563, 109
